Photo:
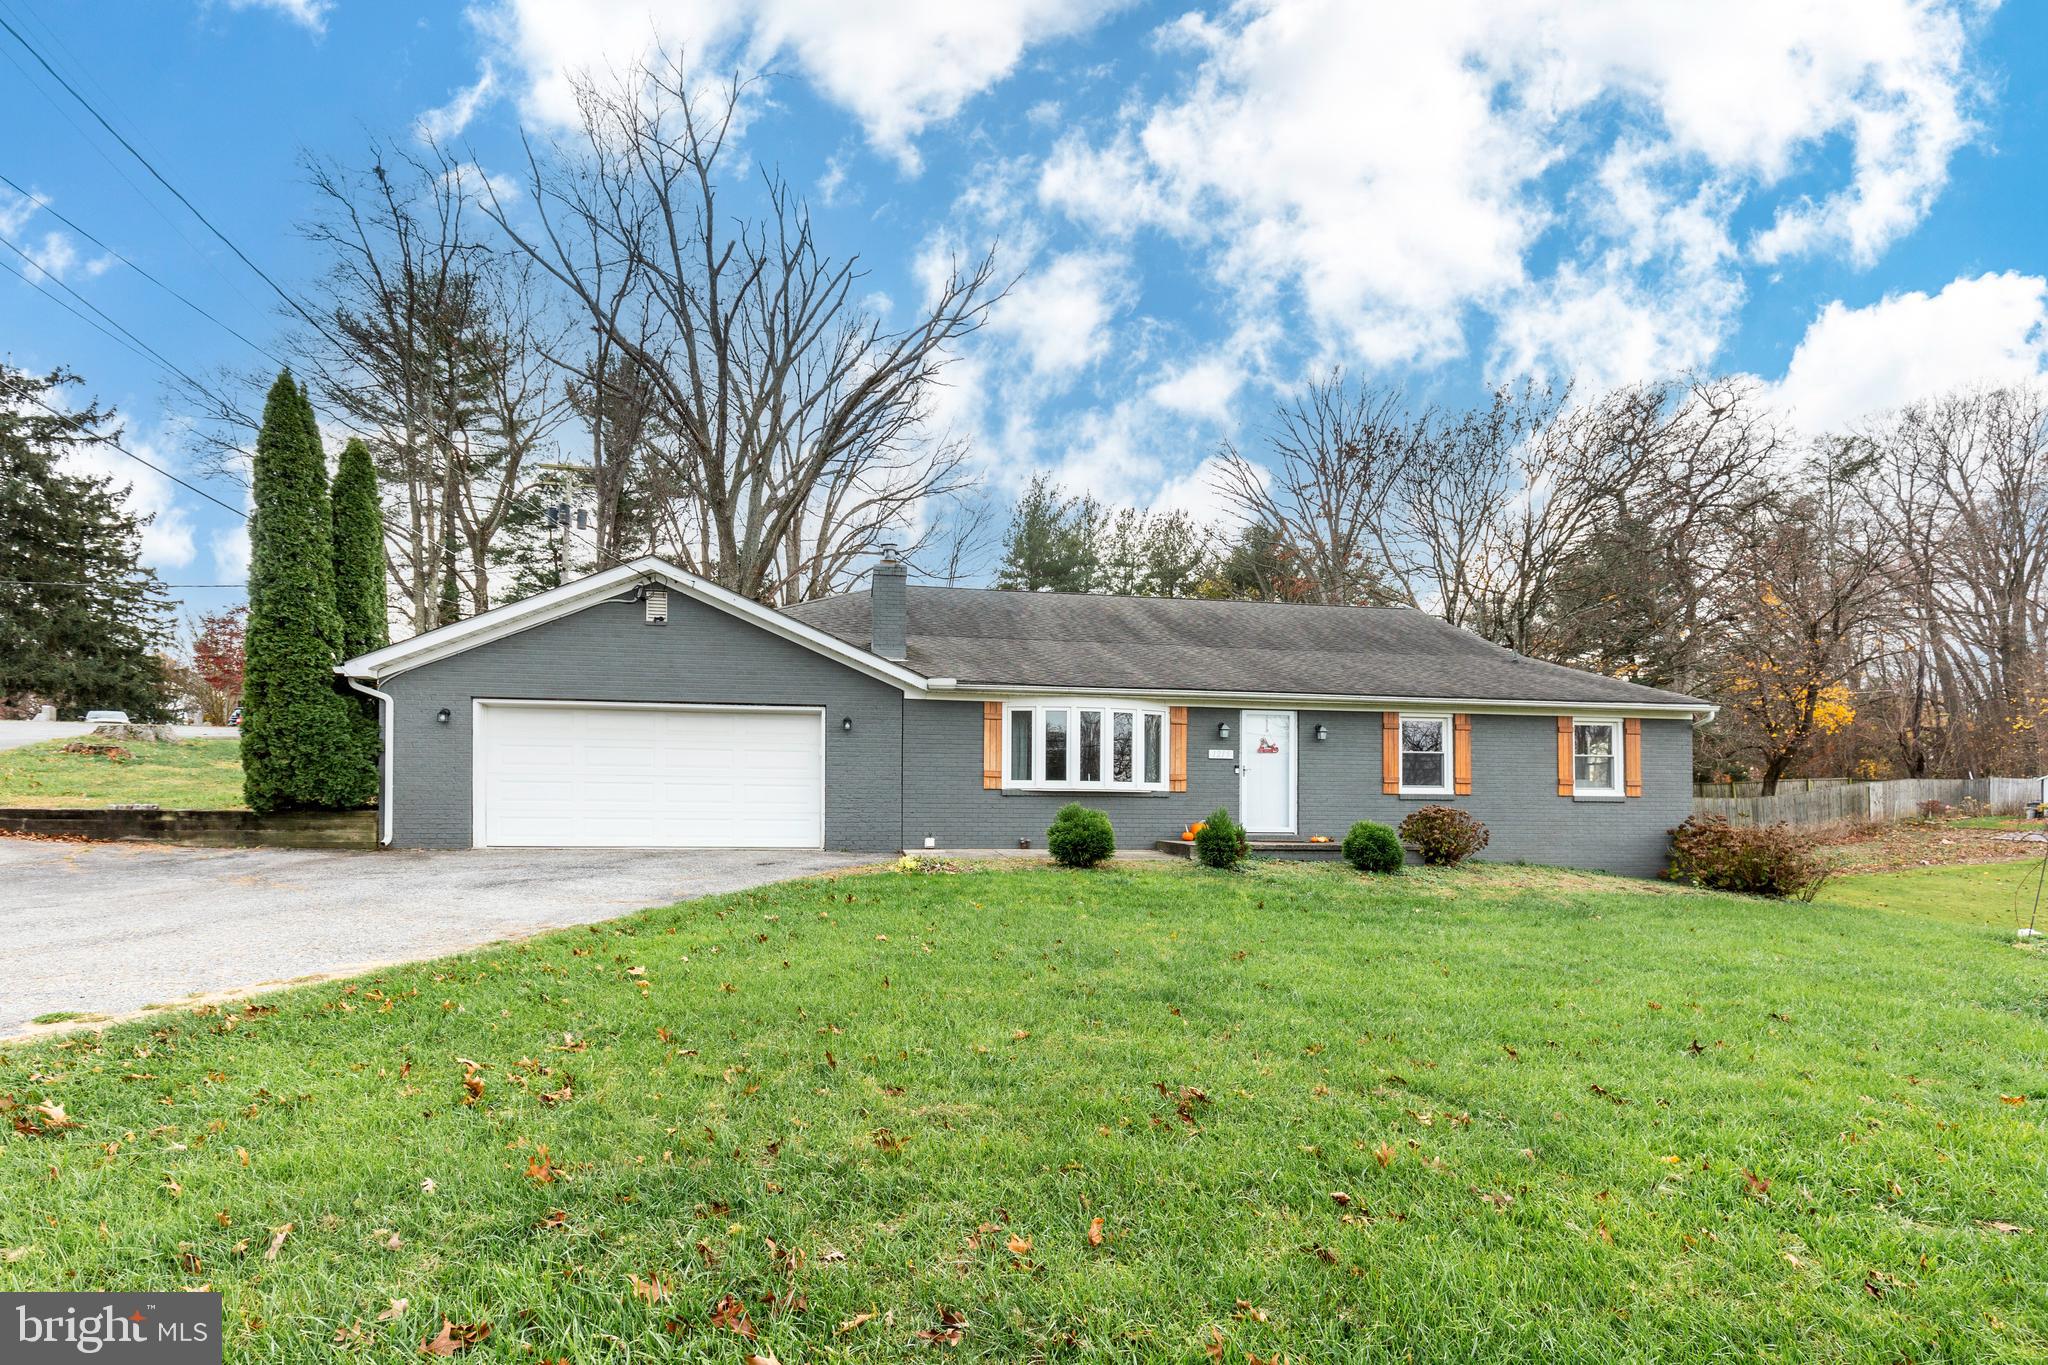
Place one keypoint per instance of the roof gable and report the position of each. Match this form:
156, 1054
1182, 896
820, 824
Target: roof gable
591, 589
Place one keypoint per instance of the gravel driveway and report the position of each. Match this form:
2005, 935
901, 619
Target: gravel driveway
110, 928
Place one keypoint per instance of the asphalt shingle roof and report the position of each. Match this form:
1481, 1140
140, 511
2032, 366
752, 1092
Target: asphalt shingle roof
989, 637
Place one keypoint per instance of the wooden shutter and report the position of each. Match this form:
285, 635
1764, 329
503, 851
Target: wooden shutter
1564, 755
991, 744
1177, 749
1390, 752
1461, 727
1632, 757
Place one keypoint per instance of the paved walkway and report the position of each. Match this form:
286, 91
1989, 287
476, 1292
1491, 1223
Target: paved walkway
15, 733
110, 928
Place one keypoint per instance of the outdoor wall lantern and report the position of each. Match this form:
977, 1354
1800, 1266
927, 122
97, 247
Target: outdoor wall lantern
442, 715
846, 724
1322, 733
1223, 729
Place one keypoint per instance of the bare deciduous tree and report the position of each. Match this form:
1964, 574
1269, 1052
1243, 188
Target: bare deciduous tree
1337, 455
794, 427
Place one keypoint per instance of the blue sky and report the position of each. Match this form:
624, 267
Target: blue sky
1840, 197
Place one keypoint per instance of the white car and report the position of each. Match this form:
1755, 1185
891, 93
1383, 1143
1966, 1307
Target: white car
106, 718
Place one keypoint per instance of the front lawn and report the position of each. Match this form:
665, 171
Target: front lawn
192, 774
1139, 1113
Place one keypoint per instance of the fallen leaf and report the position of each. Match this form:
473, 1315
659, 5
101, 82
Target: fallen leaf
758, 1359
539, 1169
1095, 1232
1340, 1199
2000, 1225
1019, 1246
1758, 1185
454, 1337
731, 1314
1384, 1154
653, 1289
396, 1310
277, 1236
2012, 1099
855, 1321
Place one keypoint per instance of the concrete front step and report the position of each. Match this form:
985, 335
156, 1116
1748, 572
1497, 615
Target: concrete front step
1260, 848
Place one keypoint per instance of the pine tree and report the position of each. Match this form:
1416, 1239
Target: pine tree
299, 746
83, 624
1051, 544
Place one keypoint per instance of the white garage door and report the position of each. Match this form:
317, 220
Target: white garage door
567, 776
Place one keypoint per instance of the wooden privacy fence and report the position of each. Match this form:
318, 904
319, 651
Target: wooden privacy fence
1871, 802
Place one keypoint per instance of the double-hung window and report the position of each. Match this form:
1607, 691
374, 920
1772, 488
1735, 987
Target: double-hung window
1085, 746
1426, 758
1596, 757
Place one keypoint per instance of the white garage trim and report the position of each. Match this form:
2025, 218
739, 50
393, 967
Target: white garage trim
479, 754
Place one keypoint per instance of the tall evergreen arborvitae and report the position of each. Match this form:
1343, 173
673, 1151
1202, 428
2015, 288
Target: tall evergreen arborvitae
299, 743
83, 622
359, 583
359, 554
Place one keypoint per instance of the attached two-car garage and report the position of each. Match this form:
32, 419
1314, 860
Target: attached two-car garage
588, 775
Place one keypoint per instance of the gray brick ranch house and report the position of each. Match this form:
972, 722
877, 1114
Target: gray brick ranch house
645, 707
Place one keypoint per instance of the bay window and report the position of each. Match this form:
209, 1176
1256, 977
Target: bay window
1085, 746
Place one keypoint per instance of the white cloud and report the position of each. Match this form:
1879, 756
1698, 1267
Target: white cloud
449, 120
167, 541
16, 210
899, 66
56, 256
230, 549
311, 14
1060, 315
1201, 388
1382, 166
1855, 362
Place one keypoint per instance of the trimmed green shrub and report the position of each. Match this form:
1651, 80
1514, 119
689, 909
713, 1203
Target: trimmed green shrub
1764, 860
1080, 836
1443, 836
300, 746
1220, 842
1372, 847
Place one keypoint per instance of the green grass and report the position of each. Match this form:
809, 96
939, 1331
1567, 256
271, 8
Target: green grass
193, 774
1539, 1092
1986, 895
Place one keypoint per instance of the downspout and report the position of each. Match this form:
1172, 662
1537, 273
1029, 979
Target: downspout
386, 785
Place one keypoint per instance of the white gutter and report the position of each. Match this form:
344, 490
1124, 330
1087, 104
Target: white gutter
387, 785
1331, 701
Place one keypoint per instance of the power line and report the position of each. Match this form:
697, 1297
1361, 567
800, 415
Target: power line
68, 416
47, 274
44, 207
149, 166
73, 583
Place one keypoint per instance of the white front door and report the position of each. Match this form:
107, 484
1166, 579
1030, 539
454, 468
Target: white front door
1266, 784
594, 776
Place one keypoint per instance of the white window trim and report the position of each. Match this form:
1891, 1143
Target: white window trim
1037, 782
1620, 787
1450, 782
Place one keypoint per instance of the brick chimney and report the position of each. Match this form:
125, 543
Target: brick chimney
889, 606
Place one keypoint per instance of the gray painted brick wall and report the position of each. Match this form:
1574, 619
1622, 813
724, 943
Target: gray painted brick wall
608, 653
1514, 789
